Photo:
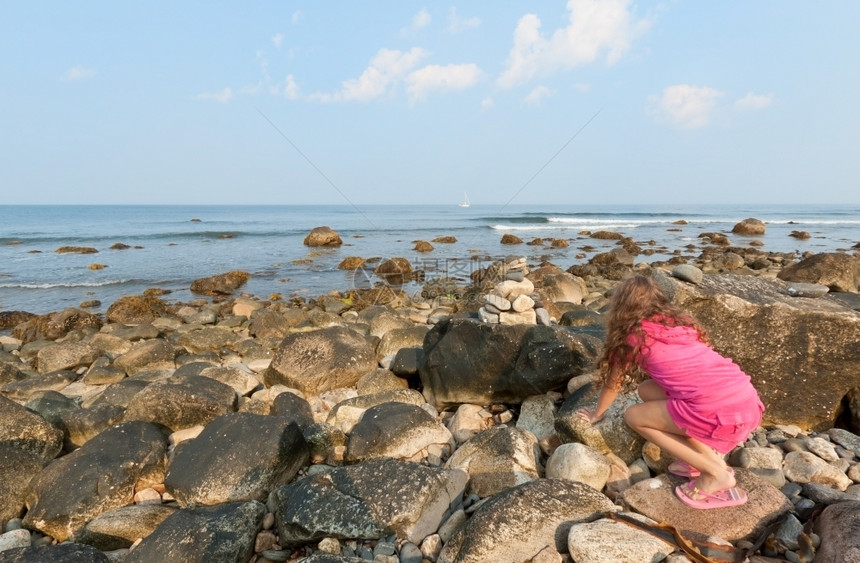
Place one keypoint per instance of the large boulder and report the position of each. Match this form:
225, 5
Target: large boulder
802, 353
749, 227
656, 499
519, 523
136, 309
182, 403
238, 457
65, 355
396, 430
562, 288
323, 236
367, 501
395, 270
100, 476
225, 532
121, 527
60, 553
207, 339
17, 467
23, 429
610, 435
466, 361
221, 284
320, 360
56, 325
146, 355
23, 389
839, 272
838, 526
497, 459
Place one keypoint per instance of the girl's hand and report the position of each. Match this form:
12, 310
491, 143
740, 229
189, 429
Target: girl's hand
588, 414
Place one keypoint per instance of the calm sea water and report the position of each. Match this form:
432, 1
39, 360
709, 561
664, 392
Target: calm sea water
173, 245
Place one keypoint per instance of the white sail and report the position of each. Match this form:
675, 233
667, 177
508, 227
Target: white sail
465, 202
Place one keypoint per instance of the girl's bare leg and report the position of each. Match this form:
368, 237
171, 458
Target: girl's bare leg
651, 420
650, 390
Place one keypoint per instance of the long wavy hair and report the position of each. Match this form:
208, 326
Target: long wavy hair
636, 299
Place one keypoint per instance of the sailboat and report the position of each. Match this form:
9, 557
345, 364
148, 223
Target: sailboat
465, 202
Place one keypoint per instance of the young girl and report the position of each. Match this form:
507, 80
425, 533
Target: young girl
697, 405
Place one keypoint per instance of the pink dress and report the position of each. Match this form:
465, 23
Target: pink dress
709, 396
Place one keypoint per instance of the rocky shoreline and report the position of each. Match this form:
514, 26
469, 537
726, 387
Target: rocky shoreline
374, 425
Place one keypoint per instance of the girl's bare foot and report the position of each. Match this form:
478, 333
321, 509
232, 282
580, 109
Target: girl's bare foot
723, 479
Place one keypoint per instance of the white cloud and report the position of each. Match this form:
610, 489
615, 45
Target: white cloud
419, 21
387, 68
297, 15
456, 24
754, 101
291, 89
277, 39
596, 28
582, 87
487, 103
436, 78
77, 73
223, 96
536, 96
685, 106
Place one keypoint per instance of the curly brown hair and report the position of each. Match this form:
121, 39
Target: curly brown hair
636, 299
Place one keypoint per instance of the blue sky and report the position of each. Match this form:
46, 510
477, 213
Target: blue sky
541, 102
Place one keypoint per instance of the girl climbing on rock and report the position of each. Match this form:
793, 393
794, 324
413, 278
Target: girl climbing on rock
697, 404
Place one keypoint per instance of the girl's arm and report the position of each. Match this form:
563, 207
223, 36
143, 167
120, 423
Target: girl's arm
607, 397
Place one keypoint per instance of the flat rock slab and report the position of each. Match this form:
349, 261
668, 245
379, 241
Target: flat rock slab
656, 499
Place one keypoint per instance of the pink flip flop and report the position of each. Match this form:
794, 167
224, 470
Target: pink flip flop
683, 469
690, 495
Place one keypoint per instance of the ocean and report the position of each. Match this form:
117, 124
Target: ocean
170, 246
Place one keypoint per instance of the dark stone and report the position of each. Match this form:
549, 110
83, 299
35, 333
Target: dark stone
238, 457
225, 532
100, 476
293, 408
466, 361
182, 403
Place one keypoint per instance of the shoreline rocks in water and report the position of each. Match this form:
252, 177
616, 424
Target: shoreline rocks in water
372, 425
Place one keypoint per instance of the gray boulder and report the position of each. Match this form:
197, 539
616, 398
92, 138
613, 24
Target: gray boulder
801, 353
100, 476
346, 413
23, 389
60, 553
466, 361
225, 532
183, 403
17, 467
207, 339
238, 457
396, 430
396, 339
656, 499
65, 355
147, 355
81, 425
519, 523
367, 501
320, 360
323, 236
121, 527
25, 430
612, 434
497, 459
221, 284
837, 527
839, 272
293, 408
